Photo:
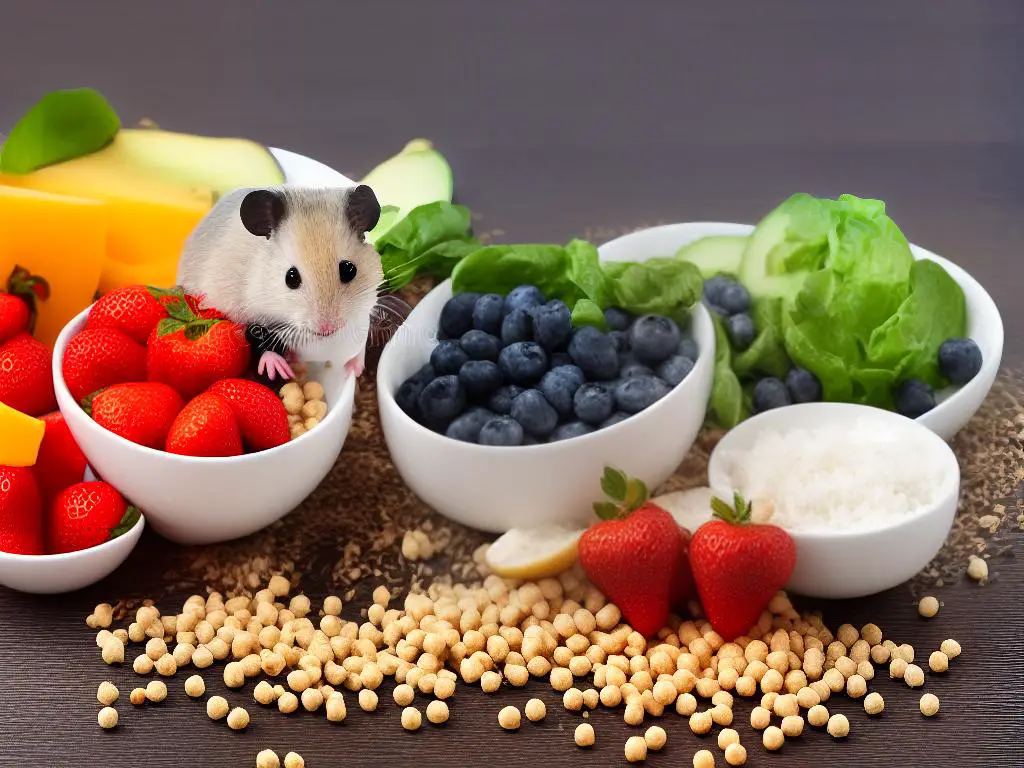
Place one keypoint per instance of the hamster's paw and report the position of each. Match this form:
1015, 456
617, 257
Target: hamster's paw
357, 364
274, 365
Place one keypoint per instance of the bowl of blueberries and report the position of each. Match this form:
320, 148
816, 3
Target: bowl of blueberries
499, 413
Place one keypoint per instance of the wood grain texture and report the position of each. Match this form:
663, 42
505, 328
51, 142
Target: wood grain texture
561, 119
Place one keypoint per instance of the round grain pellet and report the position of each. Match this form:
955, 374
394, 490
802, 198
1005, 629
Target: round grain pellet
686, 704
736, 754
367, 700
217, 707
287, 703
509, 718
929, 705
817, 716
856, 686
636, 749
156, 691
760, 718
312, 699
572, 700
703, 758
951, 648
773, 738
838, 726
584, 735
107, 718
792, 726
294, 760
727, 736
142, 665
490, 681
195, 686
913, 676
938, 661
336, 709
238, 719
701, 722
655, 737
928, 607
264, 693
267, 758
107, 693
403, 694
535, 710
721, 715
898, 668
591, 698
437, 712
786, 705
874, 704
137, 696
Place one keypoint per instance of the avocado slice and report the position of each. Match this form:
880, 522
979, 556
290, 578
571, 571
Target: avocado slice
715, 254
218, 164
417, 175
796, 227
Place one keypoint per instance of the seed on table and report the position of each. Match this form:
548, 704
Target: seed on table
792, 726
142, 665
913, 676
906, 652
238, 719
234, 677
278, 585
929, 705
898, 668
760, 718
107, 693
703, 759
267, 758
288, 702
572, 700
137, 696
874, 704
336, 709
977, 568
201, 659
195, 686
938, 661
686, 704
736, 754
722, 697
367, 700
856, 686
113, 651
838, 726
156, 691
951, 648
490, 681
216, 707
294, 760
509, 718
727, 736
655, 737
166, 666
411, 719
535, 710
786, 705
107, 717
721, 715
403, 695
701, 722
584, 735
437, 712
773, 738
636, 749
817, 716
312, 699
264, 693
928, 607
591, 698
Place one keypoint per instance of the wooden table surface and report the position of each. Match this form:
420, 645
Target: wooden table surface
560, 119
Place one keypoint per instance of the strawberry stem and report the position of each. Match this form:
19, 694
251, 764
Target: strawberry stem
624, 495
30, 289
737, 514
128, 521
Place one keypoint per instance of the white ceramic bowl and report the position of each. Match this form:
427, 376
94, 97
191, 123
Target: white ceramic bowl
496, 488
955, 405
204, 500
854, 563
53, 574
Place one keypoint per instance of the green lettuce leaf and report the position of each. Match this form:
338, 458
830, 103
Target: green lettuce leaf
767, 354
726, 403
500, 268
430, 238
586, 312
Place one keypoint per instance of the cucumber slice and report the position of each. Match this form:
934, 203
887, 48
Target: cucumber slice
715, 254
417, 175
760, 270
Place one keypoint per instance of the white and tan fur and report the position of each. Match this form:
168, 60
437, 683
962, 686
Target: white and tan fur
242, 274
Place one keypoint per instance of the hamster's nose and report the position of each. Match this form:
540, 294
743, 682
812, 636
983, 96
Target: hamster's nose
326, 329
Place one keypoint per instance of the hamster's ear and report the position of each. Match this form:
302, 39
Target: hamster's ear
362, 211
261, 212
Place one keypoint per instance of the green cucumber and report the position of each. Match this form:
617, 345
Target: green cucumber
416, 176
715, 254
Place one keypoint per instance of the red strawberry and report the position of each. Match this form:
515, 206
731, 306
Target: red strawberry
60, 463
134, 310
140, 411
682, 588
85, 515
26, 376
192, 353
261, 415
99, 357
14, 316
21, 512
739, 566
206, 426
633, 554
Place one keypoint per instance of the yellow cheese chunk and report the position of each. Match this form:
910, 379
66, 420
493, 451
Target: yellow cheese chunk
159, 274
20, 438
61, 239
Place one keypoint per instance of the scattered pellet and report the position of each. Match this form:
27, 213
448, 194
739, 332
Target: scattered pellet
412, 719
156, 691
107, 693
107, 717
929, 705
509, 718
535, 710
874, 704
928, 607
217, 707
636, 749
655, 737
938, 661
267, 758
437, 712
294, 760
736, 754
584, 735
977, 568
773, 738
703, 758
238, 719
838, 726
195, 686
818, 716
727, 736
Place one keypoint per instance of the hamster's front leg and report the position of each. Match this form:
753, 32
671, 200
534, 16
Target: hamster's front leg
272, 362
357, 364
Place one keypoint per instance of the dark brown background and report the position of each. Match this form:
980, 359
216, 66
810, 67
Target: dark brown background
564, 118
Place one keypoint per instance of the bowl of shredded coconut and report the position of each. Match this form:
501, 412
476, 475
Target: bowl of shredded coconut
868, 495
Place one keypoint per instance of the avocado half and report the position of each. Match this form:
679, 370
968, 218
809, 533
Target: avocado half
417, 175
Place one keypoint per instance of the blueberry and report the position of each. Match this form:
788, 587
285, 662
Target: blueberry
502, 430
639, 392
803, 386
621, 339
769, 393
740, 329
516, 326
617, 319
713, 288
734, 298
614, 419
559, 385
410, 390
593, 403
654, 338
480, 377
959, 360
457, 315
524, 297
688, 348
535, 413
441, 401
501, 401
480, 345
448, 357
467, 426
675, 369
594, 352
552, 325
914, 398
633, 368
570, 430
523, 362
487, 313
561, 358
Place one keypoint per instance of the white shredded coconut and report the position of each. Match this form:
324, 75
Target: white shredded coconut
837, 477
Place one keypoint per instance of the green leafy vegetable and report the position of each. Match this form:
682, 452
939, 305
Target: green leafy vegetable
585, 272
587, 312
726, 403
662, 286
431, 238
767, 355
500, 268
62, 126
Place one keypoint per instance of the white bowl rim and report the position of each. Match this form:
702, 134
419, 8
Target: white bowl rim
866, 412
503, 450
78, 554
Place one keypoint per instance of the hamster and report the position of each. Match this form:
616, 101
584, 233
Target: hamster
291, 264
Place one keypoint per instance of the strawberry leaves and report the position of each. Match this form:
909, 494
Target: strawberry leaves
737, 514
30, 289
182, 316
128, 520
625, 495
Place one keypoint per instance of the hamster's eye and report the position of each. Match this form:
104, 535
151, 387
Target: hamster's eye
347, 271
292, 278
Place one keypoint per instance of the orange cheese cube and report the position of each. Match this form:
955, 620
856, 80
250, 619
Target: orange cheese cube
59, 238
20, 438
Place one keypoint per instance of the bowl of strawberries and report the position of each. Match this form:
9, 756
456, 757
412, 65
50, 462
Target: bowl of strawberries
157, 392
